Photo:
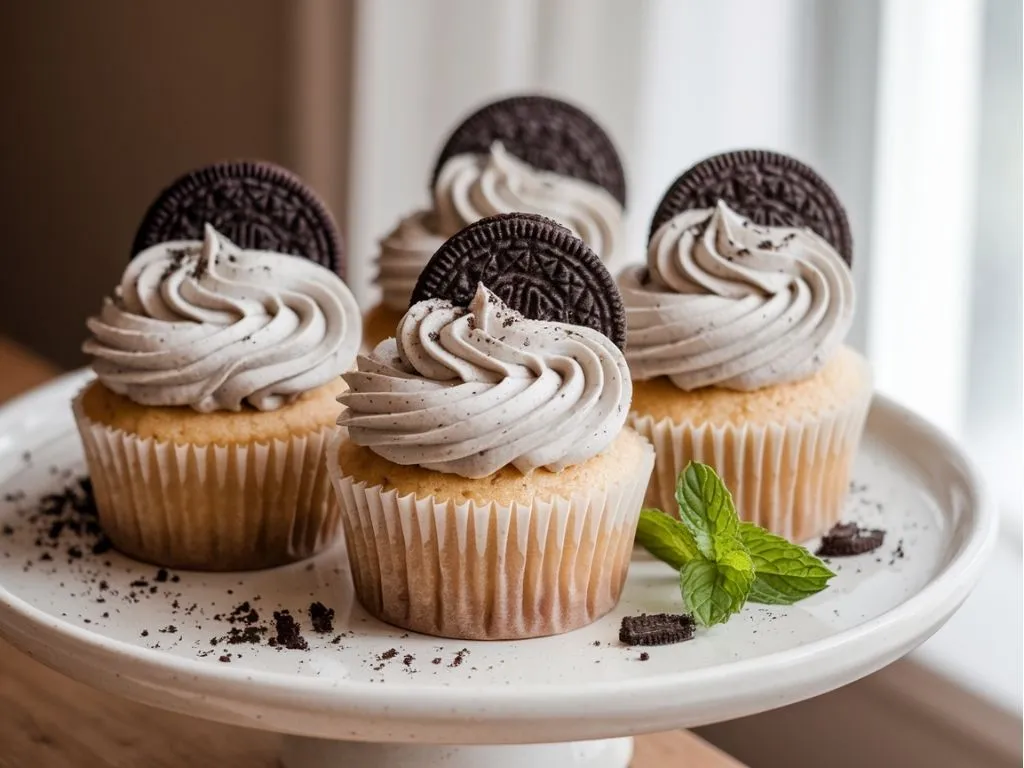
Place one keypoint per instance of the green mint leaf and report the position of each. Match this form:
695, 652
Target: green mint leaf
763, 593
786, 572
716, 582
738, 559
712, 591
706, 509
666, 538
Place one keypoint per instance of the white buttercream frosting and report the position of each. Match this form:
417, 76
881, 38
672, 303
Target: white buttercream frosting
728, 303
469, 391
471, 187
209, 325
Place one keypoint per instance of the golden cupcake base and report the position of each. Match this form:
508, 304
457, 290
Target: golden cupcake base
785, 452
504, 557
217, 491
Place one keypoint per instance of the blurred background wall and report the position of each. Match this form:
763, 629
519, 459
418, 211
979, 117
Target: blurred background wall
105, 102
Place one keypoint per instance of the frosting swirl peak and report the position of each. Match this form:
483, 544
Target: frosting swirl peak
469, 391
212, 326
728, 303
473, 186
403, 253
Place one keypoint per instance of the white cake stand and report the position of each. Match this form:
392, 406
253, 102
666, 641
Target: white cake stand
353, 701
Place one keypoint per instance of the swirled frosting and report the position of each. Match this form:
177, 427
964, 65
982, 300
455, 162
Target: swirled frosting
728, 303
469, 391
403, 253
212, 326
471, 187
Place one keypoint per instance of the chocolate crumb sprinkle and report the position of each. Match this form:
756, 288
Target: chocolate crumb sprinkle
656, 629
849, 539
898, 553
288, 634
102, 545
321, 617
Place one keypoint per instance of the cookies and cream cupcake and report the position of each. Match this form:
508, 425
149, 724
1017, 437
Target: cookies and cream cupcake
217, 372
735, 342
525, 154
487, 485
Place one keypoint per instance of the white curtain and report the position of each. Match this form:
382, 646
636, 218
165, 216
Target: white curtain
672, 80
882, 96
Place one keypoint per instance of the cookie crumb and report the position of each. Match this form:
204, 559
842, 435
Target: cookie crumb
656, 629
849, 539
321, 617
288, 633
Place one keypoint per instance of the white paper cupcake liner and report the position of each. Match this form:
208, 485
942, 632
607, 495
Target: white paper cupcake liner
489, 571
791, 478
211, 507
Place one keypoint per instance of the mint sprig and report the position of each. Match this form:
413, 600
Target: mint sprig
785, 571
723, 563
706, 509
666, 538
714, 591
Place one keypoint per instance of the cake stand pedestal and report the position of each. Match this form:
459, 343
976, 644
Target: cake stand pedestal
368, 695
321, 753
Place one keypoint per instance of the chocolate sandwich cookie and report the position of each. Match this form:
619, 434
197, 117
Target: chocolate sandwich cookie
768, 188
535, 265
656, 628
257, 205
546, 133
847, 539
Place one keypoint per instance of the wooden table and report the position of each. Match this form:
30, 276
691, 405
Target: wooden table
50, 721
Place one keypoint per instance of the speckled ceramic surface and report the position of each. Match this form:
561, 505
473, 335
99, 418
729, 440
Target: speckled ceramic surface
125, 627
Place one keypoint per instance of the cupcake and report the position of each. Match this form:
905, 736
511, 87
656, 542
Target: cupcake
217, 372
487, 484
530, 154
735, 341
